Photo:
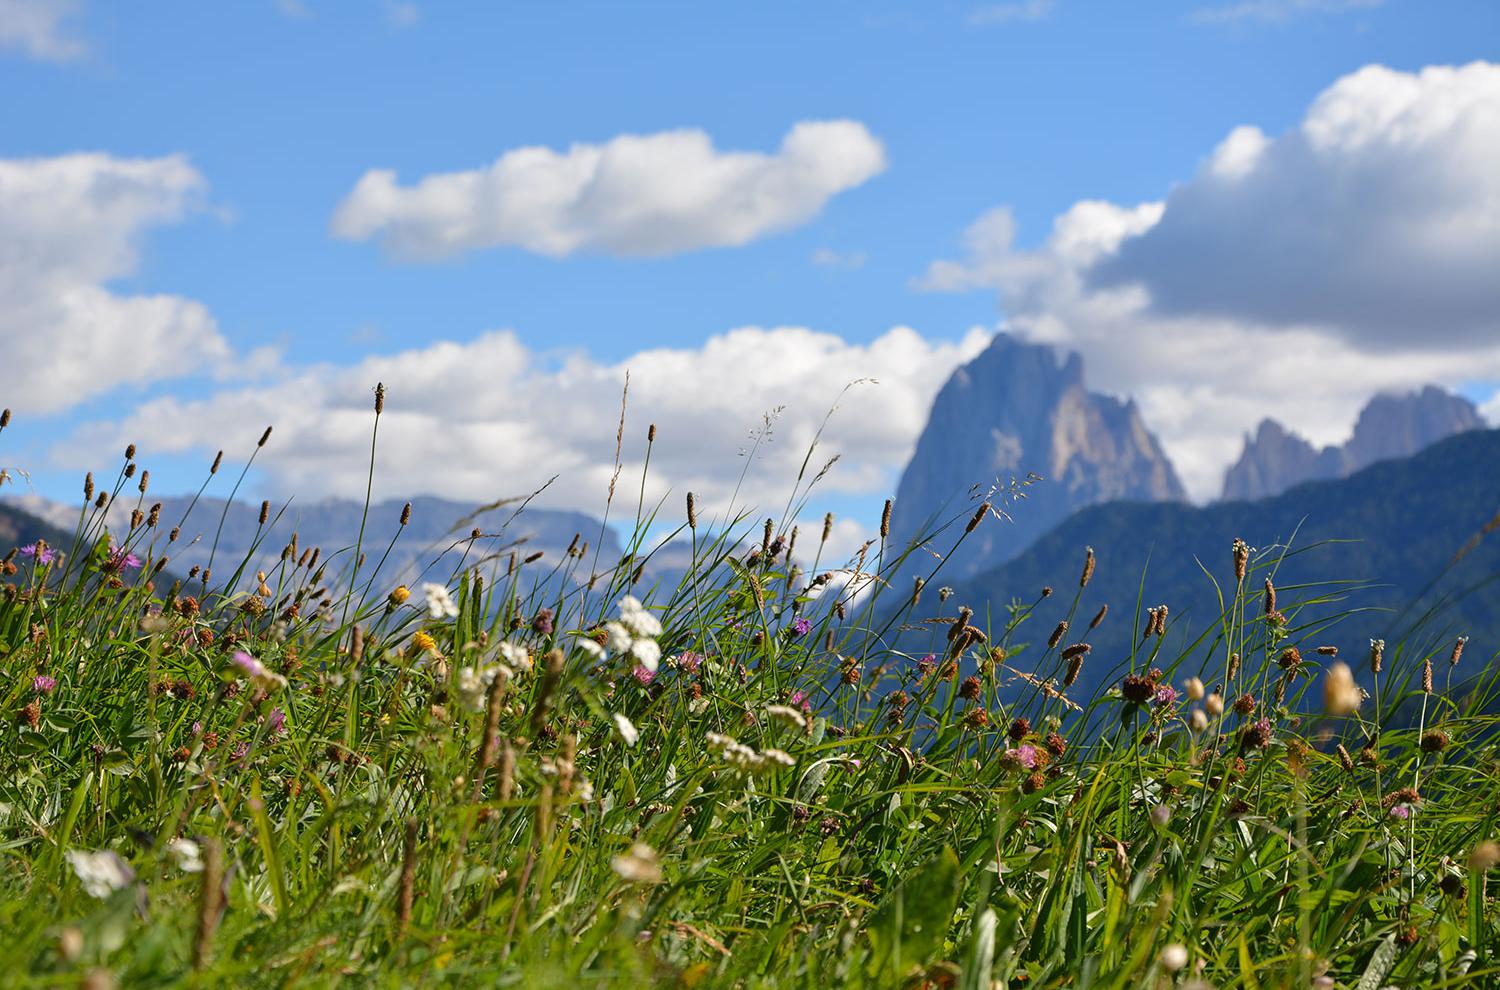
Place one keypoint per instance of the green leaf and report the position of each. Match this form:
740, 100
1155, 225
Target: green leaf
908, 928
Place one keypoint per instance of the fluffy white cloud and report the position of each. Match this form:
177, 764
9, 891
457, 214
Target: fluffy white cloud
643, 195
487, 418
41, 28
68, 226
1379, 215
1291, 276
1278, 11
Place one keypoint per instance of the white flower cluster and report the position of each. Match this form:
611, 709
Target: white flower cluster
439, 603
744, 758
102, 871
633, 635
786, 713
627, 730
474, 684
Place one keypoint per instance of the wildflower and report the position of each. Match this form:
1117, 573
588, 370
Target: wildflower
1019, 729
640, 865
1165, 695
474, 684
400, 595
590, 647
439, 603
628, 732
976, 718
1137, 690
688, 661
786, 713
257, 672
1056, 744
647, 653
1458, 650
1401, 811
1244, 705
927, 665
799, 700
186, 854
637, 619
1214, 704
1256, 735
102, 872
276, 722
617, 637
1193, 688
1198, 720
121, 559
39, 550
1377, 655
1173, 957
42, 684
1241, 551
541, 623
1022, 757
1434, 741
514, 655
970, 688
801, 627
424, 642
1161, 815
1341, 696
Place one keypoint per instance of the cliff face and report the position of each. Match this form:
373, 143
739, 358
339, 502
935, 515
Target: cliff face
1389, 426
1013, 410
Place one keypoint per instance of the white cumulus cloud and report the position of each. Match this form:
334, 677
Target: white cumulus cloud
1291, 276
68, 226
41, 28
640, 195
489, 417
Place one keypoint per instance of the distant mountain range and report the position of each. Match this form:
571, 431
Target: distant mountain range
1275, 459
1015, 410
1406, 521
434, 540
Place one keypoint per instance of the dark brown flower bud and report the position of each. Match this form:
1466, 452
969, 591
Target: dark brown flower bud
406, 513
379, 398
977, 518
263, 438
1088, 568
1099, 616
1057, 634
692, 513
1270, 597
885, 520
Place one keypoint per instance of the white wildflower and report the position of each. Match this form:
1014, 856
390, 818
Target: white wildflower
102, 872
637, 619
1174, 957
474, 684
786, 713
186, 854
627, 730
619, 637
515, 655
590, 647
646, 653
639, 865
439, 603
777, 758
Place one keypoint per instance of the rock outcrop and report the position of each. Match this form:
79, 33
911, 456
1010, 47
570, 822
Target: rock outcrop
1015, 410
1274, 459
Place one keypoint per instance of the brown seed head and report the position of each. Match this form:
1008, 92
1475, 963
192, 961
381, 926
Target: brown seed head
692, 512
145, 481
379, 398
1458, 650
1088, 568
1241, 551
88, 487
977, 518
1099, 616
1019, 729
1427, 675
406, 513
218, 459
1269, 602
4, 418
651, 433
1057, 634
1377, 655
885, 520
827, 526
263, 438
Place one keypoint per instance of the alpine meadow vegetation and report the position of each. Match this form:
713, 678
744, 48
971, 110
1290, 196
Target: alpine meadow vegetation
765, 769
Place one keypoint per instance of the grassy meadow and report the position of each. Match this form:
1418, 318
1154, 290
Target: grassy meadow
780, 770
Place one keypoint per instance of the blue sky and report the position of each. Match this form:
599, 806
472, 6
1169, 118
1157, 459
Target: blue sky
281, 108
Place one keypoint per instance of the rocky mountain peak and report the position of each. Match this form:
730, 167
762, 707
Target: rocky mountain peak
1390, 425
1017, 409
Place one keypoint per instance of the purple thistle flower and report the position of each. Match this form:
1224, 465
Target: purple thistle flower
46, 556
801, 627
643, 674
42, 684
1165, 695
689, 661
1401, 811
927, 665
1023, 755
